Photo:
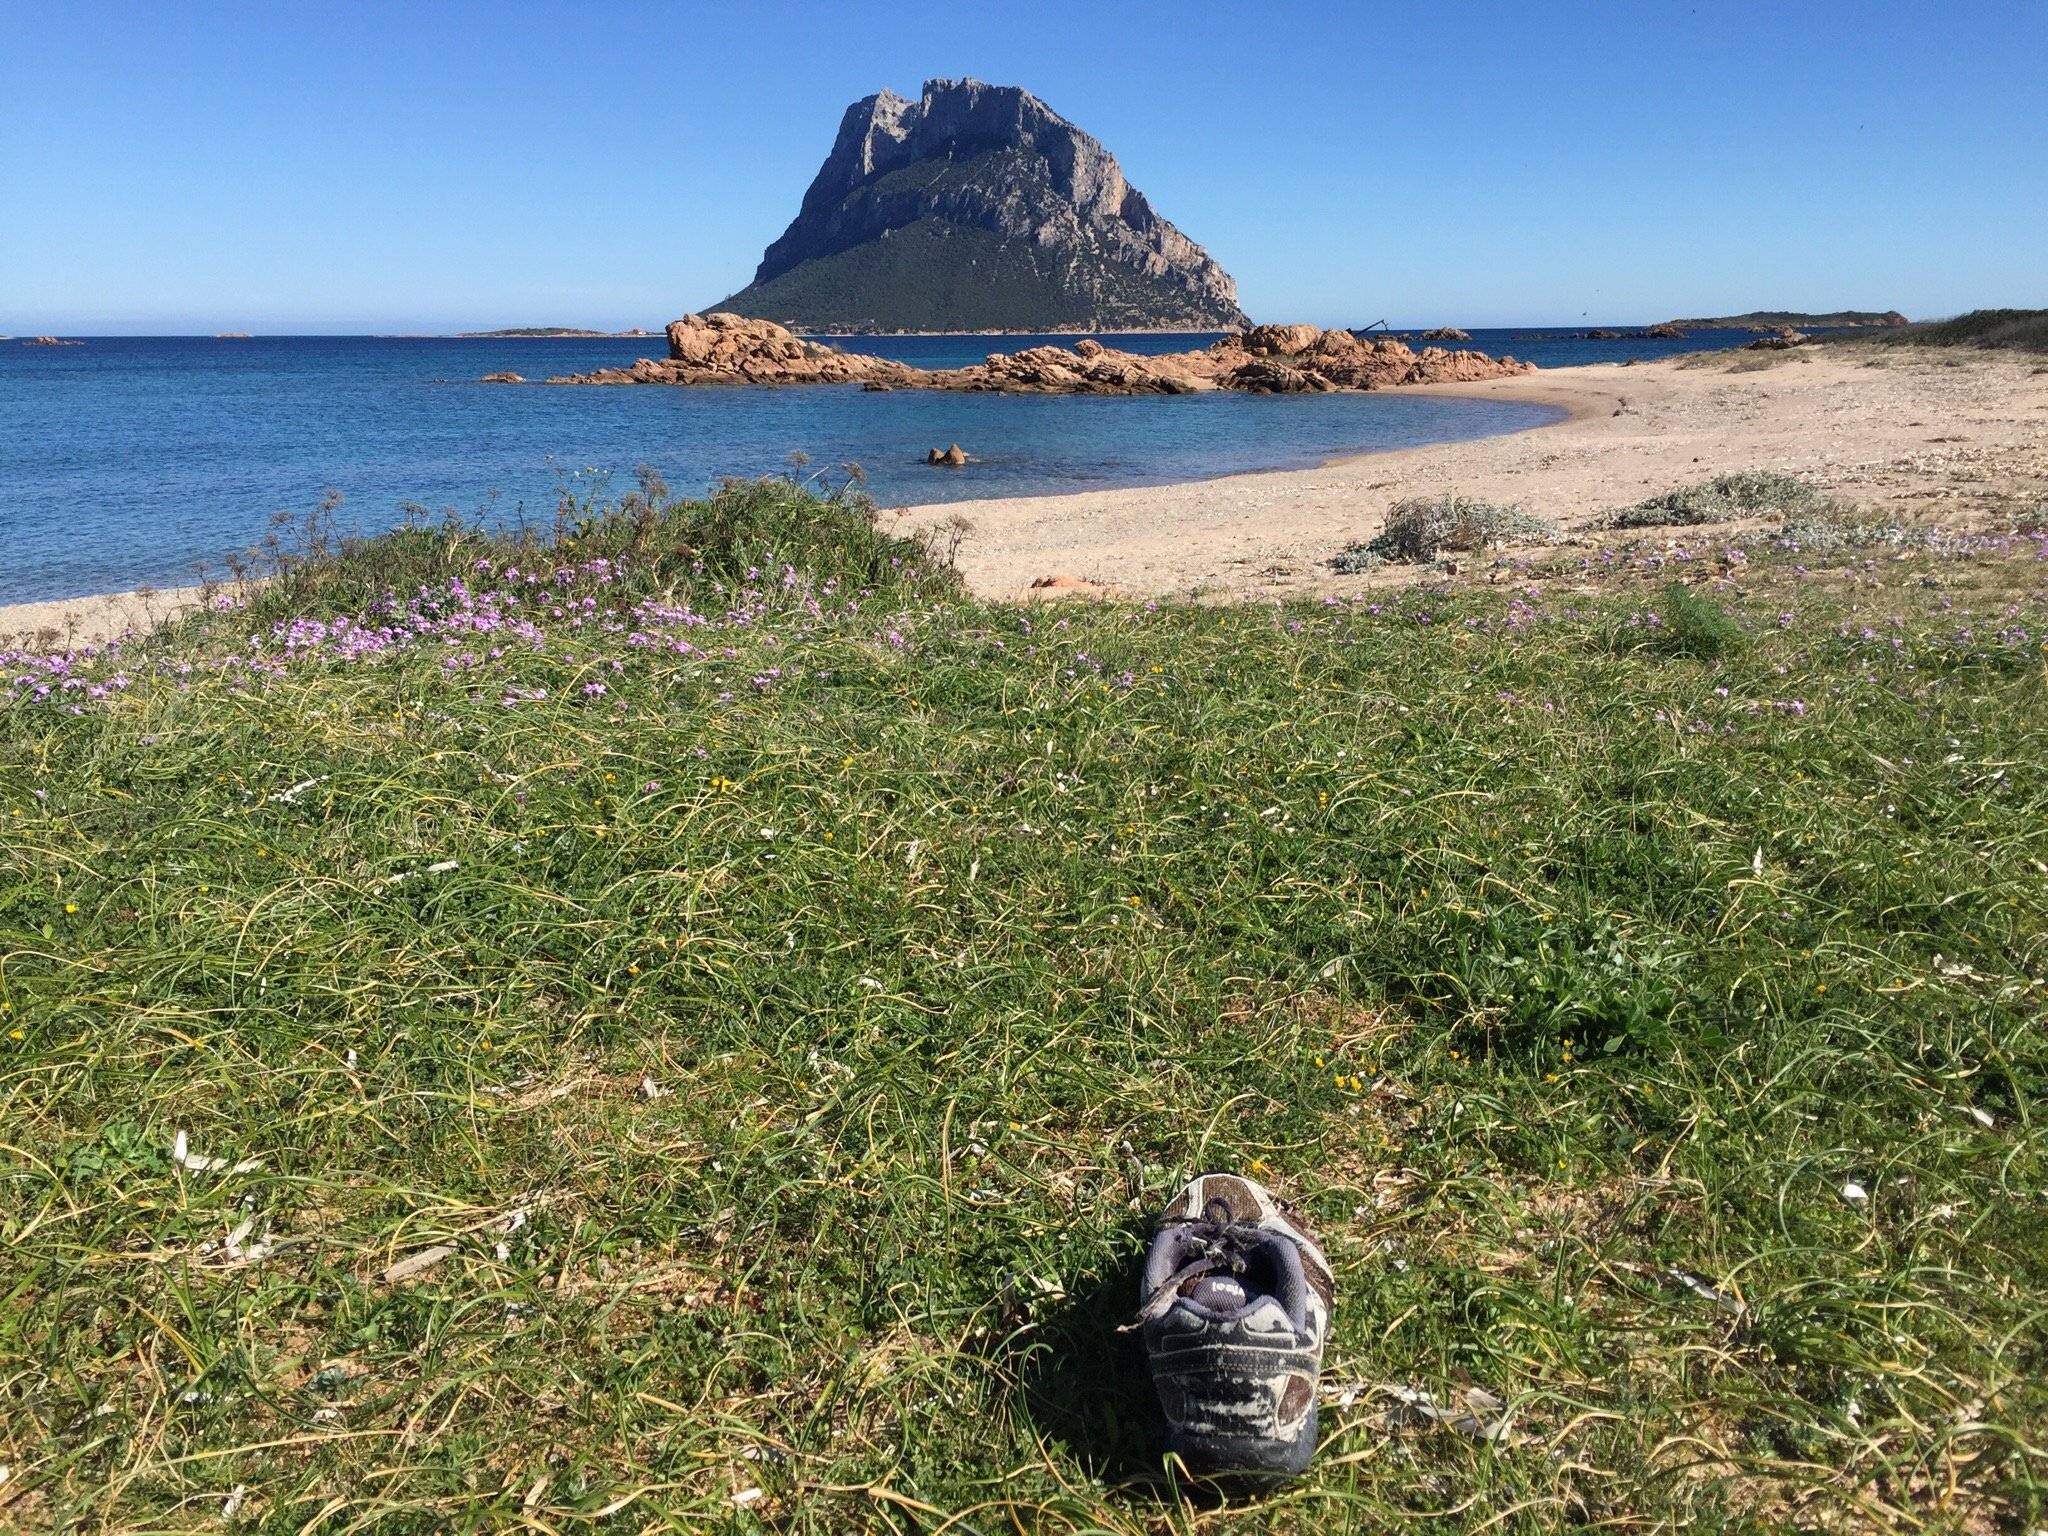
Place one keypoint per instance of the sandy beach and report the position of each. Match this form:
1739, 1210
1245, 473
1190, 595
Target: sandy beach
1922, 436
67, 622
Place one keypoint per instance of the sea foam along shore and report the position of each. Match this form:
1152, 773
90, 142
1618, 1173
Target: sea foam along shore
1886, 436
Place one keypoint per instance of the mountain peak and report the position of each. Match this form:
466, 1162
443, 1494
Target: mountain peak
978, 207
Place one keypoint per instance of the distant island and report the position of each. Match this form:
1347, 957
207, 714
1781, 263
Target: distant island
979, 209
232, 335
1772, 319
532, 331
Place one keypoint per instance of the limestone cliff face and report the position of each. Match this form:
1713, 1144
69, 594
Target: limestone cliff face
979, 207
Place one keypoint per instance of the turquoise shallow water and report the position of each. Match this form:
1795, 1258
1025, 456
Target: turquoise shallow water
129, 459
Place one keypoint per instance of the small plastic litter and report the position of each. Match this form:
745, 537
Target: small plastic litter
1854, 1193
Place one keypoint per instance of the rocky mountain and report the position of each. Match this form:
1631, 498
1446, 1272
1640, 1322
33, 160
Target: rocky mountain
980, 208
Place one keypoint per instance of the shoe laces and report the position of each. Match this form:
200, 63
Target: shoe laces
1219, 1241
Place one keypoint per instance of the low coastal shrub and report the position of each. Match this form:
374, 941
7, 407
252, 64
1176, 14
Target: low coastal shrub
1990, 330
1686, 622
1746, 493
1826, 532
652, 542
1424, 529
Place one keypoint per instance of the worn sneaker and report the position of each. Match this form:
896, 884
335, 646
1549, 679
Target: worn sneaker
1235, 1306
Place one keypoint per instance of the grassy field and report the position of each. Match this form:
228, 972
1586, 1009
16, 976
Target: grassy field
599, 1040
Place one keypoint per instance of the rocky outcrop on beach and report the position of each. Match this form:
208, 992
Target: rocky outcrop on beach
1778, 340
978, 208
721, 348
1266, 359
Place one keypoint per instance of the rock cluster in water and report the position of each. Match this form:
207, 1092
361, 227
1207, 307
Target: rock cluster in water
1266, 359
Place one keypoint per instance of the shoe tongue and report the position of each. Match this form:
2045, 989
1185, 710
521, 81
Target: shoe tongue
1219, 1293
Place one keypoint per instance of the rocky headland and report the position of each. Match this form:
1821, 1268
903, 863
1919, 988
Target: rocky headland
1267, 359
977, 208
1765, 321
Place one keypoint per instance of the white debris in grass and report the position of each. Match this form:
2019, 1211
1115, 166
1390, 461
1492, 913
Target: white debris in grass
287, 796
1854, 1193
183, 1155
445, 866
238, 1249
1704, 1290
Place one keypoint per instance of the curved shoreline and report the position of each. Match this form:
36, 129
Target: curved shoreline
1341, 456
94, 617
1857, 431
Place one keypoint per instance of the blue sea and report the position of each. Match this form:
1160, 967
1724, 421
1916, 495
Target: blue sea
135, 459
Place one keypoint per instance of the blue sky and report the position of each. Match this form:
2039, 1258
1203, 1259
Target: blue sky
377, 166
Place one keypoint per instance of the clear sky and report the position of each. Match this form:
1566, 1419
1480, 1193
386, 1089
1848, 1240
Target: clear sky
432, 165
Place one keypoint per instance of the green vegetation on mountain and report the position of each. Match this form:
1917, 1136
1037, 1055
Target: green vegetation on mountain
1766, 319
1991, 330
933, 274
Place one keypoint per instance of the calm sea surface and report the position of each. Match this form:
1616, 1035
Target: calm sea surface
129, 459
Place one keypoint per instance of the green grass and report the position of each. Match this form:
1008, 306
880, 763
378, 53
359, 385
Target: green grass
933, 260
1539, 969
